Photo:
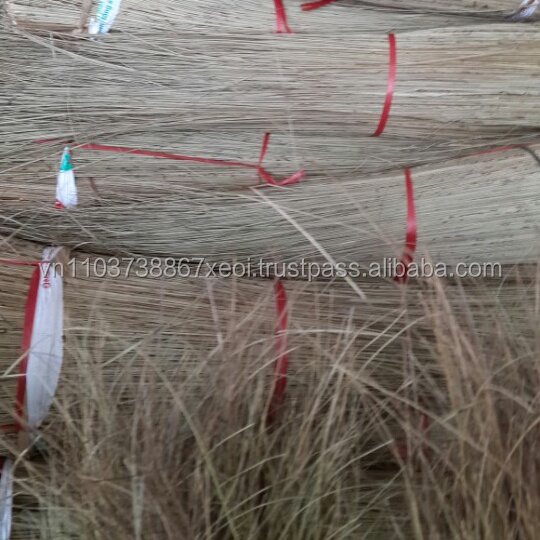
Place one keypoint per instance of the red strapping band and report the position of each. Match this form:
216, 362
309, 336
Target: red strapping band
29, 312
308, 6
296, 177
411, 234
281, 18
402, 448
503, 149
392, 69
20, 263
282, 360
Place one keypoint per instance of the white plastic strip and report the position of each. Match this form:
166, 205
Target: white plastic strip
6, 499
106, 13
526, 10
46, 346
66, 189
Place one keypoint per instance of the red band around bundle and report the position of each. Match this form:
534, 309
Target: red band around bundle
20, 263
411, 233
392, 69
402, 448
308, 6
29, 313
296, 177
282, 360
281, 18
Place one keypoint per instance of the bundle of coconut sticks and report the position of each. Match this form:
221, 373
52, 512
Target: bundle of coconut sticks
120, 314
93, 471
461, 7
157, 312
215, 16
480, 209
160, 160
449, 82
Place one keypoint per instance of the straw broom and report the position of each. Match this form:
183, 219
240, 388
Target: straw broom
480, 209
450, 82
215, 16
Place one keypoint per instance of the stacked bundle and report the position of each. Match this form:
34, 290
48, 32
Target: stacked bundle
307, 84
120, 315
198, 136
213, 16
449, 7
343, 218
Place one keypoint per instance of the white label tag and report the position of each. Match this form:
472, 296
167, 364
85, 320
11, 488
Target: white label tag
46, 346
106, 13
66, 189
6, 499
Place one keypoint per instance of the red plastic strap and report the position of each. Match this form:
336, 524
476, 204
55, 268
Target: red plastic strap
264, 148
402, 448
29, 312
308, 6
20, 263
282, 361
411, 234
281, 18
26, 339
503, 149
392, 69
296, 177
425, 424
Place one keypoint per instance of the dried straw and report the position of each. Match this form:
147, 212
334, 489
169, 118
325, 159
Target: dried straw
478, 209
450, 82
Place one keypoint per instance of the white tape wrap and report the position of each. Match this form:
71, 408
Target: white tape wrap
6, 499
106, 13
46, 348
526, 10
66, 189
